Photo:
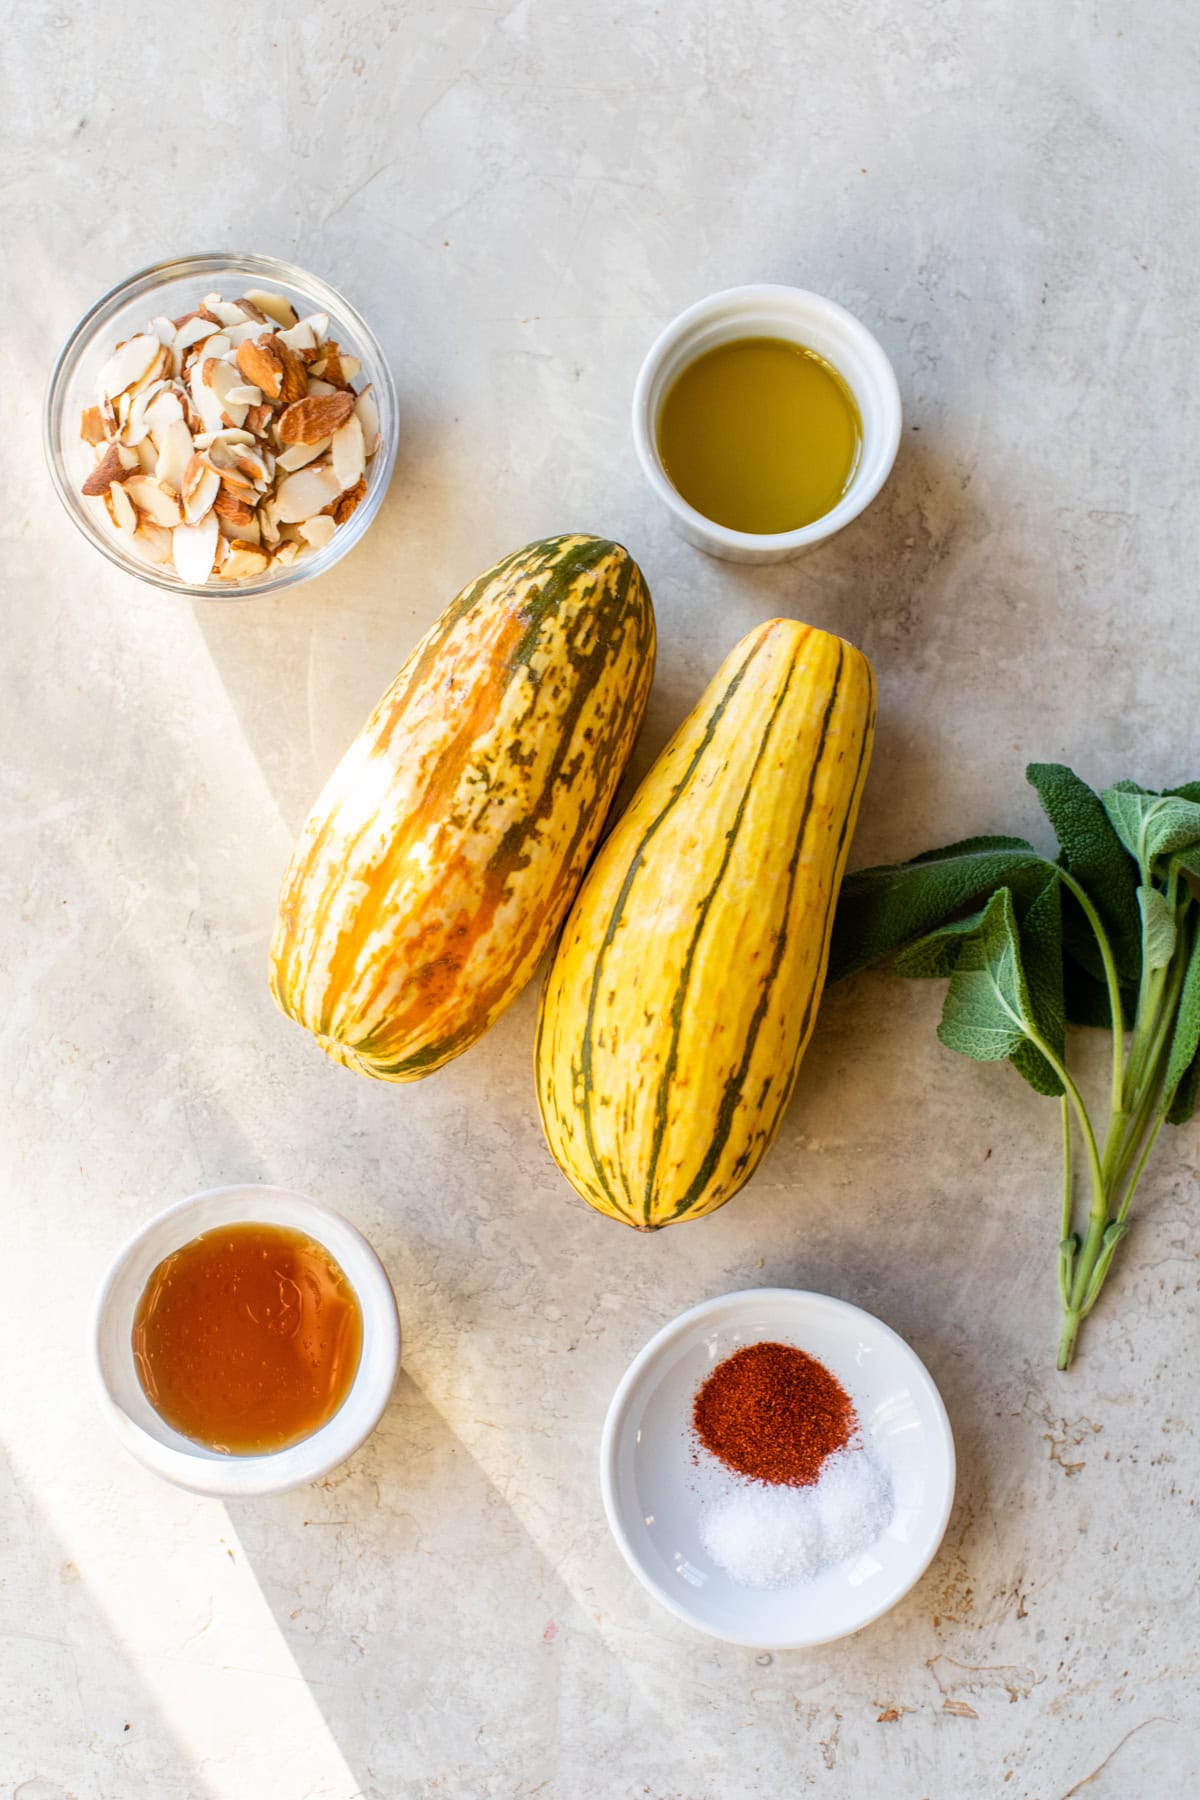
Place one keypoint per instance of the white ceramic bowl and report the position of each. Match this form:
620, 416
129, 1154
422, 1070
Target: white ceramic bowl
165, 1450
802, 318
652, 1494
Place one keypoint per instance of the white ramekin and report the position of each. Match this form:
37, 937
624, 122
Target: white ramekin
166, 1451
818, 324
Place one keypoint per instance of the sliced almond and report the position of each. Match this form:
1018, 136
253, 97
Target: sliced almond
121, 509
201, 495
194, 548
154, 541
297, 455
149, 496
231, 506
304, 494
274, 305
300, 336
228, 311
175, 451
165, 408
252, 463
222, 377
351, 368
163, 329
349, 456
315, 417
318, 531
138, 424
252, 310
262, 365
295, 375
287, 553
128, 364
266, 520
345, 503
91, 426
244, 559
332, 369
242, 394
193, 330
147, 456
258, 420
110, 468
368, 418
323, 388
228, 434
152, 375
205, 400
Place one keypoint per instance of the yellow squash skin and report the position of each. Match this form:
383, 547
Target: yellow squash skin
441, 857
686, 983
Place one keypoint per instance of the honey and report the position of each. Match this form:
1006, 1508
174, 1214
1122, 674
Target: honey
760, 435
248, 1338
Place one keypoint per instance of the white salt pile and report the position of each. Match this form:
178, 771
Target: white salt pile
766, 1537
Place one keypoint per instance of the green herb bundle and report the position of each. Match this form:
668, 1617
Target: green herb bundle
1107, 935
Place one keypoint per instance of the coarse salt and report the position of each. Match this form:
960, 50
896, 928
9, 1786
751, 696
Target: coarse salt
768, 1537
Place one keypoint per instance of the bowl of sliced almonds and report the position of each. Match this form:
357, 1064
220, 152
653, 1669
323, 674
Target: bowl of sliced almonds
222, 426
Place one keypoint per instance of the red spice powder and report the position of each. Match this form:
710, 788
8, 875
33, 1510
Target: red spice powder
773, 1413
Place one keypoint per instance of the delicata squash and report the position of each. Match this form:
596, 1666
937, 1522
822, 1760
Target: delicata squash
687, 979
441, 857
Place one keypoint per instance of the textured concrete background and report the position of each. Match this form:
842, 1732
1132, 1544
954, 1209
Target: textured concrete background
519, 196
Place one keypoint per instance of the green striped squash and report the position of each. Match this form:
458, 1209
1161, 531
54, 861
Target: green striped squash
688, 975
441, 857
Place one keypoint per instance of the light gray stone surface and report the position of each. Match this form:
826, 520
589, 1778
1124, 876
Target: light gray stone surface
518, 197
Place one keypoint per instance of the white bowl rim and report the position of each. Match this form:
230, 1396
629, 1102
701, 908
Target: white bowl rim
856, 499
246, 1477
619, 1405
307, 568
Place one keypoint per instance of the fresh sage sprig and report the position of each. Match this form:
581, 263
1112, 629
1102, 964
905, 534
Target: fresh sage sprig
1107, 934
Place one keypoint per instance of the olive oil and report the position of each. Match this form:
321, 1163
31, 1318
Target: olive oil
760, 435
247, 1338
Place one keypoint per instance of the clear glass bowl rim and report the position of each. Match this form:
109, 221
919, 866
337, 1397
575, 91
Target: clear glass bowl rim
326, 298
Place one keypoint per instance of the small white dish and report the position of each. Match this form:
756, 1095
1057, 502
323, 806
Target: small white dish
653, 1495
800, 317
166, 1451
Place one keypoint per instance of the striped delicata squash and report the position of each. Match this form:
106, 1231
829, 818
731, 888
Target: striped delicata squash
441, 857
687, 979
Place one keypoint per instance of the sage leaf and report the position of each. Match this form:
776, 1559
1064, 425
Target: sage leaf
1158, 928
1092, 852
988, 1012
1041, 940
883, 908
1183, 1105
1190, 790
1151, 825
934, 957
1185, 1041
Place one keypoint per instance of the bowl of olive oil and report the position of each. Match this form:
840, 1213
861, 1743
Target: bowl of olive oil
766, 418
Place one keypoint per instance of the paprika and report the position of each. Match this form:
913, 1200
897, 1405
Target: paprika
774, 1414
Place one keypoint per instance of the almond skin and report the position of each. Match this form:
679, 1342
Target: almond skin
317, 417
110, 469
295, 375
262, 365
229, 506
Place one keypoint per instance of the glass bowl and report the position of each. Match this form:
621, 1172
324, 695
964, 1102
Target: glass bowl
173, 288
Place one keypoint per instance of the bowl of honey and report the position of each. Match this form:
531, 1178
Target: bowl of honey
765, 419
246, 1341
